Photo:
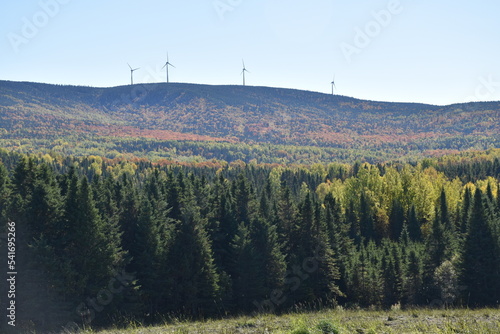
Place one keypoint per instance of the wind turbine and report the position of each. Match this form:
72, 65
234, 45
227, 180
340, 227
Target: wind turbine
167, 64
333, 84
243, 72
132, 73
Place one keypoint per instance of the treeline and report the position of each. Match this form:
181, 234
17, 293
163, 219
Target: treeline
188, 152
101, 244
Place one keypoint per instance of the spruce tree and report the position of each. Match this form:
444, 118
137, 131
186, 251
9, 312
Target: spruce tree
338, 231
413, 280
414, 229
396, 219
366, 223
192, 275
89, 252
480, 258
311, 252
5, 193
465, 211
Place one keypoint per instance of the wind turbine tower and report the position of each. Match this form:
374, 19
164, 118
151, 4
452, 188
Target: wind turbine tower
333, 84
243, 71
167, 64
132, 73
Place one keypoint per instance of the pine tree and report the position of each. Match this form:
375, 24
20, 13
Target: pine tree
390, 287
413, 281
90, 254
414, 225
465, 211
287, 216
242, 198
192, 275
436, 255
246, 285
396, 219
5, 193
480, 258
366, 222
222, 229
149, 252
338, 231
353, 223
311, 252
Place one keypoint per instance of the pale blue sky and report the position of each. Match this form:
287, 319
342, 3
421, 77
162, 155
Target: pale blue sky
428, 51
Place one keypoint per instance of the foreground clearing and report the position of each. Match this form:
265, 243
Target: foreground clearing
360, 322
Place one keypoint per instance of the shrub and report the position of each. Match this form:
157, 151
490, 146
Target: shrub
327, 327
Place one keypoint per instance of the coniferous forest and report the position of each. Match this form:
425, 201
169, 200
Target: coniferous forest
100, 242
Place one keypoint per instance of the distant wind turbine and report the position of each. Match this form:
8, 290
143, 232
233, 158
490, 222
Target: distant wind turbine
333, 84
167, 64
132, 73
243, 72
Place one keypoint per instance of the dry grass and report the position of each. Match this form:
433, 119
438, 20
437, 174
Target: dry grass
483, 321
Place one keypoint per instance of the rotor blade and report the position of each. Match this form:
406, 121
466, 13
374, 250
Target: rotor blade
164, 66
129, 66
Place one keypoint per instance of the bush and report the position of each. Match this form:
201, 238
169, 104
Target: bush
327, 327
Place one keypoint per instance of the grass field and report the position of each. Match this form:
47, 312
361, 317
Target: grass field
482, 321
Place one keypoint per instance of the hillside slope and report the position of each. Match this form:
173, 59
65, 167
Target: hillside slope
178, 111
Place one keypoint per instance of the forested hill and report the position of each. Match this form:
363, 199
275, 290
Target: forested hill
178, 111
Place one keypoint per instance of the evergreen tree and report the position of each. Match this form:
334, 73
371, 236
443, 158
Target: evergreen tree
414, 225
222, 229
366, 222
310, 251
89, 253
480, 258
465, 211
193, 277
5, 193
396, 219
338, 231
413, 280
242, 198
287, 216
149, 251
44, 207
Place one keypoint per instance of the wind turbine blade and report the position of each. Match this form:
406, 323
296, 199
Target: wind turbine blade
129, 66
164, 66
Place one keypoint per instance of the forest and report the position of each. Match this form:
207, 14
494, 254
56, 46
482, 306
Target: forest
103, 242
188, 122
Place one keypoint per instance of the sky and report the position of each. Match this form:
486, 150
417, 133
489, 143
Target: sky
437, 52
